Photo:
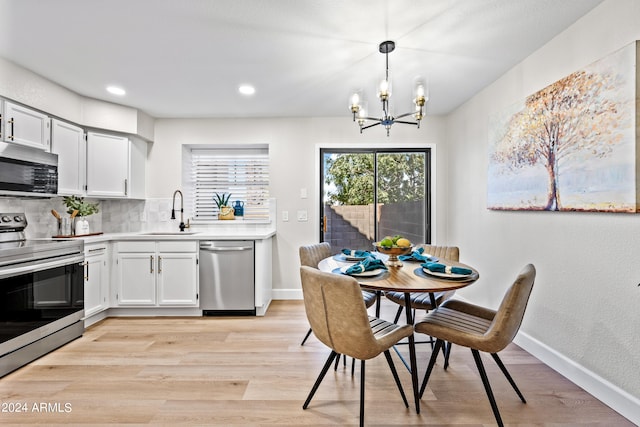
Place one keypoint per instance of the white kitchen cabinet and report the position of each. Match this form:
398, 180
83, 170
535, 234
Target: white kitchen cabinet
24, 126
68, 142
157, 273
107, 165
115, 166
96, 279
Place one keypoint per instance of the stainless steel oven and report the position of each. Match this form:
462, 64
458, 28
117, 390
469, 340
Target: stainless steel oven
27, 171
41, 294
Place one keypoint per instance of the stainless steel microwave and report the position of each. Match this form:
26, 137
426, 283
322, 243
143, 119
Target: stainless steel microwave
27, 171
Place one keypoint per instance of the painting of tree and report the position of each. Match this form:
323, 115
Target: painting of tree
570, 146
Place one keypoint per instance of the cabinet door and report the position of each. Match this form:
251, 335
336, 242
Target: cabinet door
67, 141
94, 297
136, 279
26, 126
107, 165
177, 279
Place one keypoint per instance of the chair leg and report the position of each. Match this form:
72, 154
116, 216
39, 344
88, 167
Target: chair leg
387, 355
487, 386
306, 336
398, 313
353, 366
432, 362
344, 362
506, 374
362, 393
325, 368
447, 353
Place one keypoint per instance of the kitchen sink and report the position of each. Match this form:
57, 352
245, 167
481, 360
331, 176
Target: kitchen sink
169, 233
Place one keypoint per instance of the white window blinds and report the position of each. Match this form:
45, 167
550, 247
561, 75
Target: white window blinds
244, 173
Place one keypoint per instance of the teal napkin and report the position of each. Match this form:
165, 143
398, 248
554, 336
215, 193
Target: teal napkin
357, 253
441, 268
417, 256
366, 264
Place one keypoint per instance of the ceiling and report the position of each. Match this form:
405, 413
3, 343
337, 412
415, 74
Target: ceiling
304, 57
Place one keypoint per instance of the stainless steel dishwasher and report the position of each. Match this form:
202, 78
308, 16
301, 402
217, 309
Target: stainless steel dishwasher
227, 277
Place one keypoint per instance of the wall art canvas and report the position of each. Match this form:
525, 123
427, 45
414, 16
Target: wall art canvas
571, 146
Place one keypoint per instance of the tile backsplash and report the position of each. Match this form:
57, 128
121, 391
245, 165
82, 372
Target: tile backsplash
115, 216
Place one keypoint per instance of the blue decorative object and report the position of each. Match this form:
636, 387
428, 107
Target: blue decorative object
238, 208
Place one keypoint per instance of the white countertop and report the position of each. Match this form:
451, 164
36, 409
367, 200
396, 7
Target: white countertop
232, 233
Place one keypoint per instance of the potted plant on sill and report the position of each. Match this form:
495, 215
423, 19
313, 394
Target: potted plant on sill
224, 211
85, 209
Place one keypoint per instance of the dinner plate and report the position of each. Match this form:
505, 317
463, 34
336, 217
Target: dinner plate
445, 275
363, 274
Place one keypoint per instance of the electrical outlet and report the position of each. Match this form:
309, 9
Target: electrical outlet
302, 216
285, 216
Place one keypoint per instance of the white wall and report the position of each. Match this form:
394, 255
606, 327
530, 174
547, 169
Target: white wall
293, 144
584, 313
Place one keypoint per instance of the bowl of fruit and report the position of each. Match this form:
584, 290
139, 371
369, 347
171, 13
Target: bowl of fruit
393, 247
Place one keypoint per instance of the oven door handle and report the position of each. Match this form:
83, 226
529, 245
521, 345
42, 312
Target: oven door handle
33, 266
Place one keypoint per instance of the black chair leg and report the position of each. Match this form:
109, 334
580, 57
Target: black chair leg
344, 362
487, 386
432, 362
306, 336
398, 313
506, 374
353, 366
392, 366
447, 353
325, 368
362, 393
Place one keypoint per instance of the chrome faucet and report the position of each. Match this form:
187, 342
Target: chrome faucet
173, 209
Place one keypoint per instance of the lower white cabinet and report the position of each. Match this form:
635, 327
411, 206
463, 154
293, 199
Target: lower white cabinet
96, 278
157, 273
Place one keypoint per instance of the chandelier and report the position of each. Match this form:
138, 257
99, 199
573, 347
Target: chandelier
358, 108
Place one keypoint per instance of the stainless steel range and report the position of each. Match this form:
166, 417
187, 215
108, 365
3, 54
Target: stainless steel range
41, 293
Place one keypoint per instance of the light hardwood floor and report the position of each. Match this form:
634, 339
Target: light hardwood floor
252, 371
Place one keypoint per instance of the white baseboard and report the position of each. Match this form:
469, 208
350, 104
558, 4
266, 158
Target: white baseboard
287, 294
611, 395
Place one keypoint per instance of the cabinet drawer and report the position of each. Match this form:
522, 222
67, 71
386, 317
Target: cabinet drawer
137, 246
175, 246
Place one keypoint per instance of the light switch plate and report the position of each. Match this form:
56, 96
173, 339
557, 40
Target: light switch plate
303, 193
285, 216
302, 216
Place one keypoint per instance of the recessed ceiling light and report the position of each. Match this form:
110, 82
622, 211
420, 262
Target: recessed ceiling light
247, 90
115, 90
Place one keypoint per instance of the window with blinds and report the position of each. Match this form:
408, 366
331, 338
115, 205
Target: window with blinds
244, 173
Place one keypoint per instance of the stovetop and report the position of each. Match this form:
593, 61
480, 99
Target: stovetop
15, 248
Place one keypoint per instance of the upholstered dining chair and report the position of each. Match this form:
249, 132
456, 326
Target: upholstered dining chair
338, 316
311, 255
480, 329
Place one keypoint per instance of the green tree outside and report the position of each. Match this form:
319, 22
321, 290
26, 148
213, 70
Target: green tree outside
351, 178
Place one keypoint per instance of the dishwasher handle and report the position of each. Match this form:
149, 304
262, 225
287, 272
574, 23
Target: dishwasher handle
225, 248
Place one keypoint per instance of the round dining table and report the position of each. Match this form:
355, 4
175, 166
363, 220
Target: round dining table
409, 277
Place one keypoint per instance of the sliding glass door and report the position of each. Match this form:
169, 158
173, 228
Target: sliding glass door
367, 194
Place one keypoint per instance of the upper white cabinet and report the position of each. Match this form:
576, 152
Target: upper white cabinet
68, 142
107, 165
22, 125
115, 166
